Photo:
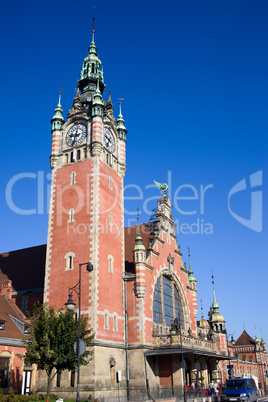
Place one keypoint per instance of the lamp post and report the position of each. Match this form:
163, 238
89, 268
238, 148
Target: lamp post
70, 305
176, 328
229, 366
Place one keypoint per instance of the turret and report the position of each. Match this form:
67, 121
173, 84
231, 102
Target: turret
97, 104
257, 343
122, 132
203, 325
192, 284
139, 257
216, 320
263, 344
191, 277
57, 122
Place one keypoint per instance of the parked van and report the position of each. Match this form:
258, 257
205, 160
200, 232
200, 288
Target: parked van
240, 389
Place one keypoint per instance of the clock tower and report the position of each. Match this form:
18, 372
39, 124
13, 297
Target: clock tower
86, 218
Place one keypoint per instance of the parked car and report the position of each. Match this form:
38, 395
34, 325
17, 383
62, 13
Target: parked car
240, 389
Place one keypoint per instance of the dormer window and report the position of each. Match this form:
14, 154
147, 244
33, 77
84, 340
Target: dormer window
26, 329
2, 325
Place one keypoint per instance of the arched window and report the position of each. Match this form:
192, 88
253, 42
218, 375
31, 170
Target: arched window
166, 302
69, 260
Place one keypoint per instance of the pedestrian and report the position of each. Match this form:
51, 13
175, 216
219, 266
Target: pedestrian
211, 389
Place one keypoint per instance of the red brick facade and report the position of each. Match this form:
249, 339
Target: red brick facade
140, 300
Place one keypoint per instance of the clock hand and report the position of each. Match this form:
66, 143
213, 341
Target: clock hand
74, 135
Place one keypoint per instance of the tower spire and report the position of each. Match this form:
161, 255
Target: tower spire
190, 271
189, 255
58, 120
214, 295
120, 122
93, 28
216, 319
138, 220
91, 70
202, 309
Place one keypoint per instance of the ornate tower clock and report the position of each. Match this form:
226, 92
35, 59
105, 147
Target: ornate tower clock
86, 214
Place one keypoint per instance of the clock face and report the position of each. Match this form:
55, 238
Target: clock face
76, 135
108, 140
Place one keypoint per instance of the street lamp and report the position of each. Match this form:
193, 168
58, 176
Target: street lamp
230, 366
174, 329
70, 305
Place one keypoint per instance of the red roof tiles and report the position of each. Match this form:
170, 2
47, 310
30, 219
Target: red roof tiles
244, 339
8, 309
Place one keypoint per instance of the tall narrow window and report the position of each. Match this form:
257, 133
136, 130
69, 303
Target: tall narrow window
78, 155
69, 260
66, 158
115, 322
72, 378
110, 182
72, 157
58, 379
157, 302
71, 215
110, 263
106, 319
110, 219
4, 370
73, 174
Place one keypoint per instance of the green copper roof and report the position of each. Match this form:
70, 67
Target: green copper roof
57, 120
190, 272
120, 125
91, 70
138, 245
191, 275
215, 304
216, 316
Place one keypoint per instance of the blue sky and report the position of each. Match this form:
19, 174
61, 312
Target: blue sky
193, 76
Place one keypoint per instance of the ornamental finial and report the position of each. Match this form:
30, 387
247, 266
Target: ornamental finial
162, 187
93, 25
189, 255
138, 219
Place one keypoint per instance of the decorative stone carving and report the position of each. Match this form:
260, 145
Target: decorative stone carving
77, 107
171, 262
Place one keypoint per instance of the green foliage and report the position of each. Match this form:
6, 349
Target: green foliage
11, 391
52, 338
23, 398
1, 391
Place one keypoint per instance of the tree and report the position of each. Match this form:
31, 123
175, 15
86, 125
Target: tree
51, 342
